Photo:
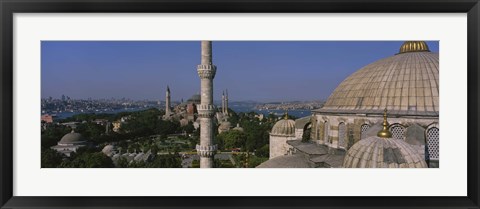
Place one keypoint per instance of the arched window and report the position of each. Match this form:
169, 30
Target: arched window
433, 142
325, 133
363, 131
342, 135
398, 131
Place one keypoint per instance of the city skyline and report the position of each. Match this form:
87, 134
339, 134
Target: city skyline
265, 71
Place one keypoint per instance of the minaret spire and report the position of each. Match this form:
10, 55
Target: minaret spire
223, 102
167, 102
226, 102
206, 71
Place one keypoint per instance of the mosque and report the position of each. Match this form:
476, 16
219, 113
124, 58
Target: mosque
345, 132
70, 143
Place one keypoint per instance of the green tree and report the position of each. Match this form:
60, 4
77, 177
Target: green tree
89, 160
51, 158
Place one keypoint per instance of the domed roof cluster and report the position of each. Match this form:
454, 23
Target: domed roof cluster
406, 83
284, 127
72, 138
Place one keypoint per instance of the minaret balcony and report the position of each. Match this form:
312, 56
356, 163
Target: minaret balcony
206, 71
206, 151
205, 110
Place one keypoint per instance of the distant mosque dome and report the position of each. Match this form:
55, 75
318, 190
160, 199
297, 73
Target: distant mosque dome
72, 138
194, 99
284, 127
405, 84
70, 143
109, 150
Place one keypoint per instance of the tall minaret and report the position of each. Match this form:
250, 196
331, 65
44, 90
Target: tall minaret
226, 102
223, 103
206, 71
167, 102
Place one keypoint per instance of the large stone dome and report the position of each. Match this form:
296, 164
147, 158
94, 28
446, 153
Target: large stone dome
376, 152
405, 84
72, 138
284, 127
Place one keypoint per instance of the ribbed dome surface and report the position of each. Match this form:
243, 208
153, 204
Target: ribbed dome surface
72, 137
405, 84
376, 152
284, 127
414, 46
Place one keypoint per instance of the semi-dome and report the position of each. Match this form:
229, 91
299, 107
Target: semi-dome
72, 138
406, 83
284, 127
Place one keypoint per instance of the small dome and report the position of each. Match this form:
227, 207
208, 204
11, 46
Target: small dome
284, 127
72, 138
108, 150
376, 152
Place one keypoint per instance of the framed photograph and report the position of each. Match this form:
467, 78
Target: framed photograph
321, 104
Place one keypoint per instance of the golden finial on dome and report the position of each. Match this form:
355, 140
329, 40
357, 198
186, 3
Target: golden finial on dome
286, 115
384, 133
414, 46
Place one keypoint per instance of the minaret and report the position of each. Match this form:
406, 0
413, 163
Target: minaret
226, 102
223, 102
206, 71
167, 102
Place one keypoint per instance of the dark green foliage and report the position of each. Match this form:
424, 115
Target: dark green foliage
223, 163
51, 158
189, 128
263, 151
253, 161
231, 139
52, 135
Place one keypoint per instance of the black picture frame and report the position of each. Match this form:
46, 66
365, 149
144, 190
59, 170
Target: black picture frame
9, 7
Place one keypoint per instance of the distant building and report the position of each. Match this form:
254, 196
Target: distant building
70, 143
47, 118
116, 126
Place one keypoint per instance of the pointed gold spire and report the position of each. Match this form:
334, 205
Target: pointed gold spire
385, 133
286, 115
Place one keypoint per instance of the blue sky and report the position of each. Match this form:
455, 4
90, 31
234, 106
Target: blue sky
251, 70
